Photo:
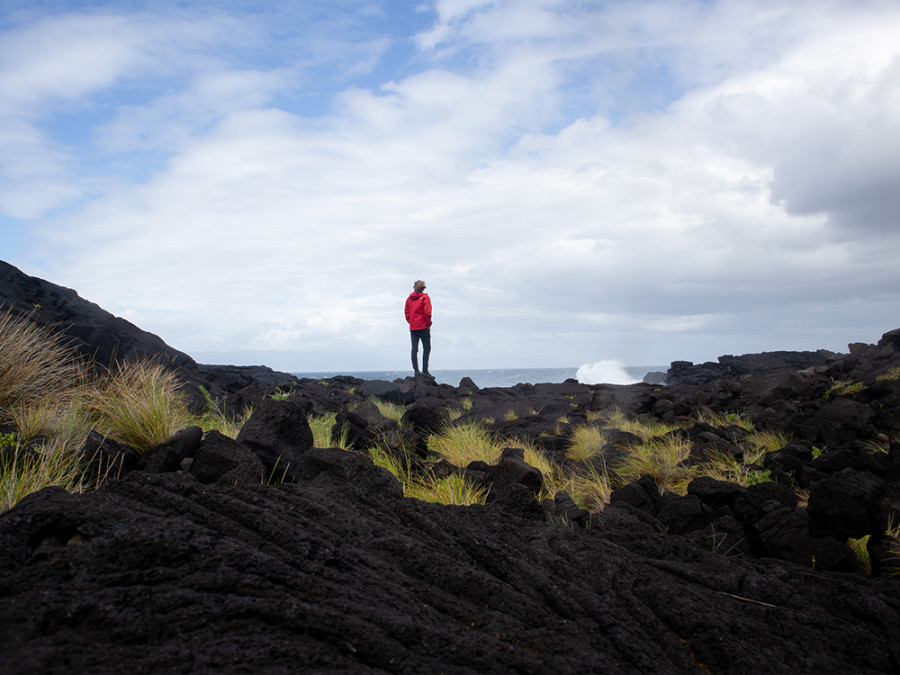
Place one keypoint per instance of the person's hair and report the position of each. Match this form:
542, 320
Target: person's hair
419, 285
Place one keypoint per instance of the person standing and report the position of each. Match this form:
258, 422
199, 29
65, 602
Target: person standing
418, 316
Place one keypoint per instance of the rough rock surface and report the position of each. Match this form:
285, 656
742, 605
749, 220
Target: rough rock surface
161, 573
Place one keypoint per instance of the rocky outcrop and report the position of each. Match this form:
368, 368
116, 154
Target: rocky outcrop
728, 366
104, 340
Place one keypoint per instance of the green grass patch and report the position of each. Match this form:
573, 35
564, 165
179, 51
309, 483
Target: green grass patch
844, 388
393, 411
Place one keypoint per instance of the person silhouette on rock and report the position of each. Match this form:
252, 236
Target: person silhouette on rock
418, 316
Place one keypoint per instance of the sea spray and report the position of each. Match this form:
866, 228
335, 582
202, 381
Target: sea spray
610, 371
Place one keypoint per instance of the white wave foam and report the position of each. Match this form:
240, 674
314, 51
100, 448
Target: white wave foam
610, 371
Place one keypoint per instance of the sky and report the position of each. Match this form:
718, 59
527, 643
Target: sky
261, 182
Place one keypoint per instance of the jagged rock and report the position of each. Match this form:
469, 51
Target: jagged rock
512, 482
642, 494
843, 505
278, 433
169, 456
424, 418
224, 461
352, 431
103, 458
336, 571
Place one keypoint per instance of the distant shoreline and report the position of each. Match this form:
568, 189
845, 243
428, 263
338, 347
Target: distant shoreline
492, 377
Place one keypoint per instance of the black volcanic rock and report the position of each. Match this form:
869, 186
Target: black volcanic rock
265, 554
160, 572
728, 366
97, 335
104, 340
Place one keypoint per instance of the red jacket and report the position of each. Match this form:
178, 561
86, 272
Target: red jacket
418, 311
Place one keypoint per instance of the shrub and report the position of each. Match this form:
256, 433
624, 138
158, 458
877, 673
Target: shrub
844, 388
588, 487
427, 487
723, 420
452, 490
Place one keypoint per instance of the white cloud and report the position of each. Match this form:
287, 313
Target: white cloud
734, 198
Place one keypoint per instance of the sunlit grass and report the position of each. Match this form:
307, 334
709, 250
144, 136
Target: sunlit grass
452, 490
663, 458
644, 428
462, 444
588, 487
586, 441
426, 486
758, 443
393, 411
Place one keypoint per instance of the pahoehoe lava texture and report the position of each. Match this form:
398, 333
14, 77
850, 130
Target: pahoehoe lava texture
159, 573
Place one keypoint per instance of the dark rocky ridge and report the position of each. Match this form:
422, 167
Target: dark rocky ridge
104, 339
188, 563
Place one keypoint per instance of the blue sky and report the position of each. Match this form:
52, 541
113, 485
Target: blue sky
576, 181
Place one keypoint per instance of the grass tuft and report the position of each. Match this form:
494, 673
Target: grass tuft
662, 458
587, 441
35, 364
464, 443
140, 404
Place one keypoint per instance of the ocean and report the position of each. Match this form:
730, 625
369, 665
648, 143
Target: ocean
604, 372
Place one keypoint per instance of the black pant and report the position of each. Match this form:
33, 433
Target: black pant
425, 336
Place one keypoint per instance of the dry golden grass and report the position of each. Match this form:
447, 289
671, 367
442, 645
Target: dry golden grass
586, 441
35, 365
140, 404
663, 458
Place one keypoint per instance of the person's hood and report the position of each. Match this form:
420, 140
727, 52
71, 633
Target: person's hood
415, 295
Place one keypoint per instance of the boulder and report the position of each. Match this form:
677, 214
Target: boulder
278, 433
224, 461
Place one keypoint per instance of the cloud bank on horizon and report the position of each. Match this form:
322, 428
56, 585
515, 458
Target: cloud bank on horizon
577, 182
